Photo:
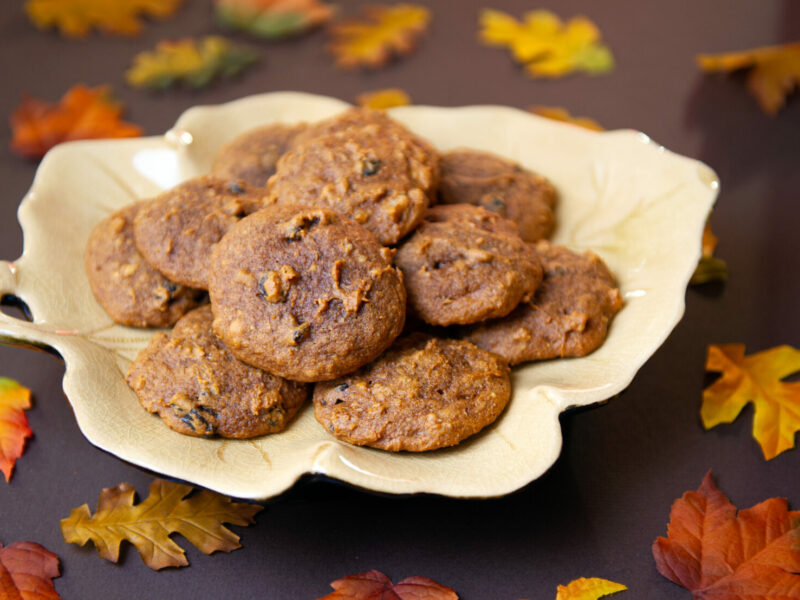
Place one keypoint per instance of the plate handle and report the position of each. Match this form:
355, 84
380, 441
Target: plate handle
15, 331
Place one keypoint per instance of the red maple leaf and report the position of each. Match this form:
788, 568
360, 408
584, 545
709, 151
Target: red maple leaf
374, 585
27, 571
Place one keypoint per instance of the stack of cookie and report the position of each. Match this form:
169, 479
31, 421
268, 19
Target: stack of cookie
327, 261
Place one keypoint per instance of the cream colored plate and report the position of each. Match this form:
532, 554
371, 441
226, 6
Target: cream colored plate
639, 206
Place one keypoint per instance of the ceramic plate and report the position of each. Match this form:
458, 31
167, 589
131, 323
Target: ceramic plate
639, 206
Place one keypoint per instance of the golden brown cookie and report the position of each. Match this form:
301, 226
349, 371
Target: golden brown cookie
465, 264
199, 388
305, 293
130, 290
504, 187
568, 316
177, 230
424, 393
253, 155
377, 173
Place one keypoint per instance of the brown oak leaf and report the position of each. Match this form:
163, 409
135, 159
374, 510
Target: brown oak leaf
14, 430
27, 571
374, 585
83, 113
721, 554
149, 524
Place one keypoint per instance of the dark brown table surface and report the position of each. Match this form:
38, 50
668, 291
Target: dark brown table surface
598, 510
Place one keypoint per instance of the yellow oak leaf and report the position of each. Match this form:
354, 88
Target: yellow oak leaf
383, 99
149, 524
590, 588
545, 45
14, 430
757, 379
561, 114
272, 18
76, 18
774, 71
710, 268
385, 32
194, 62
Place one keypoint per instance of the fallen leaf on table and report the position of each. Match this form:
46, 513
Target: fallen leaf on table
193, 62
272, 18
14, 430
590, 588
83, 113
374, 585
558, 113
383, 99
715, 552
385, 31
27, 571
774, 71
757, 379
75, 18
545, 45
148, 525
710, 268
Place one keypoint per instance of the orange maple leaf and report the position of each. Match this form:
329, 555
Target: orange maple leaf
374, 585
27, 571
383, 99
14, 430
715, 552
386, 31
710, 268
757, 379
83, 113
558, 113
775, 71
75, 18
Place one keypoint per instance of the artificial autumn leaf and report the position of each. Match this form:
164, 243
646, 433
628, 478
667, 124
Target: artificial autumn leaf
710, 268
83, 113
385, 31
14, 430
720, 554
757, 379
590, 588
75, 18
193, 62
27, 571
374, 585
272, 18
561, 114
545, 45
383, 99
148, 525
775, 71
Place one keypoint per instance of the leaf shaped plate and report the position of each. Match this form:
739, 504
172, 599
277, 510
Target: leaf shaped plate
639, 206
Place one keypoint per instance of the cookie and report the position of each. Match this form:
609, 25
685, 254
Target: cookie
130, 290
252, 156
464, 265
424, 393
568, 316
197, 387
305, 293
504, 187
177, 230
377, 174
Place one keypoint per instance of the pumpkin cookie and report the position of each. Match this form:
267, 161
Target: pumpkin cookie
465, 264
253, 155
199, 388
130, 290
568, 316
424, 393
305, 293
177, 230
504, 187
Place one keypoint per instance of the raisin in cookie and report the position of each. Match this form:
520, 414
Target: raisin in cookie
305, 293
504, 187
568, 316
177, 230
465, 264
130, 290
199, 388
424, 393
